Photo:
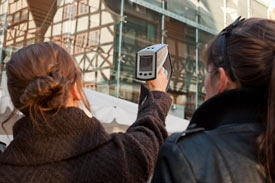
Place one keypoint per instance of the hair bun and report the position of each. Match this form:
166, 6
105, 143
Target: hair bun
49, 92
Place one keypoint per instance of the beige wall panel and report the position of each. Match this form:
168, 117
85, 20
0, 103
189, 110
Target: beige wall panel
77, 59
107, 48
58, 15
181, 99
192, 88
60, 2
49, 31
103, 6
106, 36
94, 4
2, 8
19, 5
23, 27
106, 18
24, 4
31, 30
32, 24
94, 21
91, 55
18, 39
107, 73
9, 42
29, 36
100, 61
68, 1
89, 77
258, 9
82, 24
47, 39
13, 8
68, 26
57, 29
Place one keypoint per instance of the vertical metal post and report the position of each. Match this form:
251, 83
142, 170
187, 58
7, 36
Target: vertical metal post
225, 13
119, 46
249, 8
2, 38
69, 26
162, 23
197, 57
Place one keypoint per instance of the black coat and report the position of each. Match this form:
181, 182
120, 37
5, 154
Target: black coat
76, 149
222, 148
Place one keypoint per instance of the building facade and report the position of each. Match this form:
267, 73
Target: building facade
104, 36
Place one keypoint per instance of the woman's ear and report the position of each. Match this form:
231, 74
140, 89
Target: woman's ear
75, 93
225, 82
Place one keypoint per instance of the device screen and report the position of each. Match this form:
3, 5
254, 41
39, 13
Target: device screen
146, 63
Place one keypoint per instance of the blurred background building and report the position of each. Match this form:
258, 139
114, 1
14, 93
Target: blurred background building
104, 36
271, 10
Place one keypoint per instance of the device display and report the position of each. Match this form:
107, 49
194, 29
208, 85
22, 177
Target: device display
146, 63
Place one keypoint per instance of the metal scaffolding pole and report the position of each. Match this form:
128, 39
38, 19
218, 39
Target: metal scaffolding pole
249, 8
224, 13
197, 57
162, 23
119, 47
3, 30
69, 25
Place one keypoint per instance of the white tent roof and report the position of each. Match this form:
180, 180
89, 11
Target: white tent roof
107, 108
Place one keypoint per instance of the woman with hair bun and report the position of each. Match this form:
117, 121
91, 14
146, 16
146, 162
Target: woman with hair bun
57, 142
234, 137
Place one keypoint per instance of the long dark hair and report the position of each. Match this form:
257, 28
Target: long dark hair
39, 80
251, 51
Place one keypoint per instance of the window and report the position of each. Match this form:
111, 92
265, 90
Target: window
58, 40
9, 19
83, 7
31, 41
65, 42
94, 38
16, 17
25, 14
81, 41
69, 11
68, 42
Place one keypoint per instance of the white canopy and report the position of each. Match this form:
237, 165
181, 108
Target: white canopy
107, 108
104, 107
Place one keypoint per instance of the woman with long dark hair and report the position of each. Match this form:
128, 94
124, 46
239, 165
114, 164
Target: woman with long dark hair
57, 142
234, 137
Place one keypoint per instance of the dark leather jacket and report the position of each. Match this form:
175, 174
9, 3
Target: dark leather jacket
222, 148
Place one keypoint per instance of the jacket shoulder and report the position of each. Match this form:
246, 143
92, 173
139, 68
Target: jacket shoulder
175, 138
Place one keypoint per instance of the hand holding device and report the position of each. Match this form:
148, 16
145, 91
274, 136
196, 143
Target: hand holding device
160, 83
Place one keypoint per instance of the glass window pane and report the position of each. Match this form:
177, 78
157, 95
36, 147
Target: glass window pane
186, 8
235, 9
142, 28
258, 9
212, 14
154, 2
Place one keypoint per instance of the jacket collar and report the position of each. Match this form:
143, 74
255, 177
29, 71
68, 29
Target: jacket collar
243, 105
70, 133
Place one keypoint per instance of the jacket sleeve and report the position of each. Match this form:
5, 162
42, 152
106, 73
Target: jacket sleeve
143, 138
172, 166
